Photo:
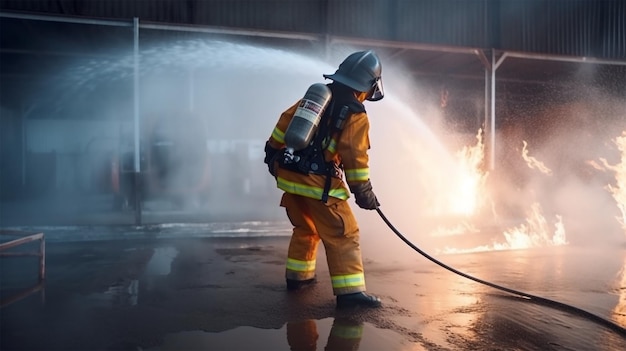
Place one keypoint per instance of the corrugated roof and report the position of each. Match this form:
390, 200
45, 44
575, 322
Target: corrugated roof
437, 40
576, 28
567, 27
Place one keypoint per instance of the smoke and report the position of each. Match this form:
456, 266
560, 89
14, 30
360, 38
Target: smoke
565, 136
205, 111
207, 107
543, 161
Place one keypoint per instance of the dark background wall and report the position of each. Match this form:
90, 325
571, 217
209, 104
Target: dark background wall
568, 49
570, 27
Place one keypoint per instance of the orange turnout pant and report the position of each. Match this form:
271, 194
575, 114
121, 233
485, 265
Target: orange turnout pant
335, 225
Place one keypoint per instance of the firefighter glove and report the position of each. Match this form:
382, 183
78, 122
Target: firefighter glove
364, 196
271, 155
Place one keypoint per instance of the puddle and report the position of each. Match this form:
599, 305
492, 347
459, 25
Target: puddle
324, 334
161, 261
127, 293
116, 295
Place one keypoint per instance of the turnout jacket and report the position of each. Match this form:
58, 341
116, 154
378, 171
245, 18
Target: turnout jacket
347, 149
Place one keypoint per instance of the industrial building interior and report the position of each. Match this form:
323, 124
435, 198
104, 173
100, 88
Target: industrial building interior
483, 70
132, 141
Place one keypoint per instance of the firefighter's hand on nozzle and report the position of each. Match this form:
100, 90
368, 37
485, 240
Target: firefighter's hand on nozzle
364, 196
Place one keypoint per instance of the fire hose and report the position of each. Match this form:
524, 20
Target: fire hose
527, 297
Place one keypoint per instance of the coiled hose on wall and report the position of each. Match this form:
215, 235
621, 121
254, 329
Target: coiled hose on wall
528, 297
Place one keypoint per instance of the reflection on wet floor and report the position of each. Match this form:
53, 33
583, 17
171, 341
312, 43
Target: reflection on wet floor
127, 293
329, 334
161, 261
160, 265
24, 293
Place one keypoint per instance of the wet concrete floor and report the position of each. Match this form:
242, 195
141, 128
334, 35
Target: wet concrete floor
195, 293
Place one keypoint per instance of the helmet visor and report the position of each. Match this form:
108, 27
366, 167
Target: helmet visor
377, 92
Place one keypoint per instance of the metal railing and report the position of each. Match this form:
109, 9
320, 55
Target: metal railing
21, 238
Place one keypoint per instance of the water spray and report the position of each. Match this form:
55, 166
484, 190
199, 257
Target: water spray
527, 297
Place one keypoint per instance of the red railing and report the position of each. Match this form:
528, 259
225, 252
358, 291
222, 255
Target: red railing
22, 238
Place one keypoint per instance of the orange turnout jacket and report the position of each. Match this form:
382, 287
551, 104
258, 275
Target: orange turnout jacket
349, 149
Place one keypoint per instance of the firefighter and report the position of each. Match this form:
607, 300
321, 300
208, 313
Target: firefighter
312, 179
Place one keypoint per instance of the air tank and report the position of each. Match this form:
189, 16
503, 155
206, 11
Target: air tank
307, 117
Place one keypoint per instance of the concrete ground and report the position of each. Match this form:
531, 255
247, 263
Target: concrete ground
229, 294
205, 282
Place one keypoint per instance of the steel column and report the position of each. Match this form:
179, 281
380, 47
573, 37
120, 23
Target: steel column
492, 120
137, 177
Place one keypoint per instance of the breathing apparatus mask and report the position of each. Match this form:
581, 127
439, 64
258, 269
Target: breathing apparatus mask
377, 92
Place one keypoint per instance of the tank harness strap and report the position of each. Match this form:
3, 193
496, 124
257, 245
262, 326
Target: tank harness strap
329, 177
331, 167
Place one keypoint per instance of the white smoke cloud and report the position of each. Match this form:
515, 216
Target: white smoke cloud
230, 95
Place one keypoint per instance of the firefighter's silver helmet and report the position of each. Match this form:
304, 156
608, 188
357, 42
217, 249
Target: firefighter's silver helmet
361, 71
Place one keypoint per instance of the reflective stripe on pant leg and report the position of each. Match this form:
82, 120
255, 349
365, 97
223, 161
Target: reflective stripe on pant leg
339, 231
300, 270
348, 283
302, 252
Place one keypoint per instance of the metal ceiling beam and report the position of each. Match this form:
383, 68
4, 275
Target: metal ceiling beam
481, 78
397, 53
52, 53
402, 45
560, 58
167, 27
231, 31
66, 19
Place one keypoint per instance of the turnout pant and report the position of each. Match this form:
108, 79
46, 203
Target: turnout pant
335, 225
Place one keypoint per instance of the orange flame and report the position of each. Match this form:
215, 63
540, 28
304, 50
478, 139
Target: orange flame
470, 182
619, 190
532, 162
535, 232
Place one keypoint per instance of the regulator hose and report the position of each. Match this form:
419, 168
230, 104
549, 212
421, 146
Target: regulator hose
531, 298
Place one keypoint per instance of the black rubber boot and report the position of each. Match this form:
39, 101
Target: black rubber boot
293, 285
357, 299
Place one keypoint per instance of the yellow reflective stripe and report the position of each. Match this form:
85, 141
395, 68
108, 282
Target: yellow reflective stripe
347, 331
309, 191
359, 174
332, 146
278, 135
348, 281
300, 266
338, 193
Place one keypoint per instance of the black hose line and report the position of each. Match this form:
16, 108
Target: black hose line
528, 297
